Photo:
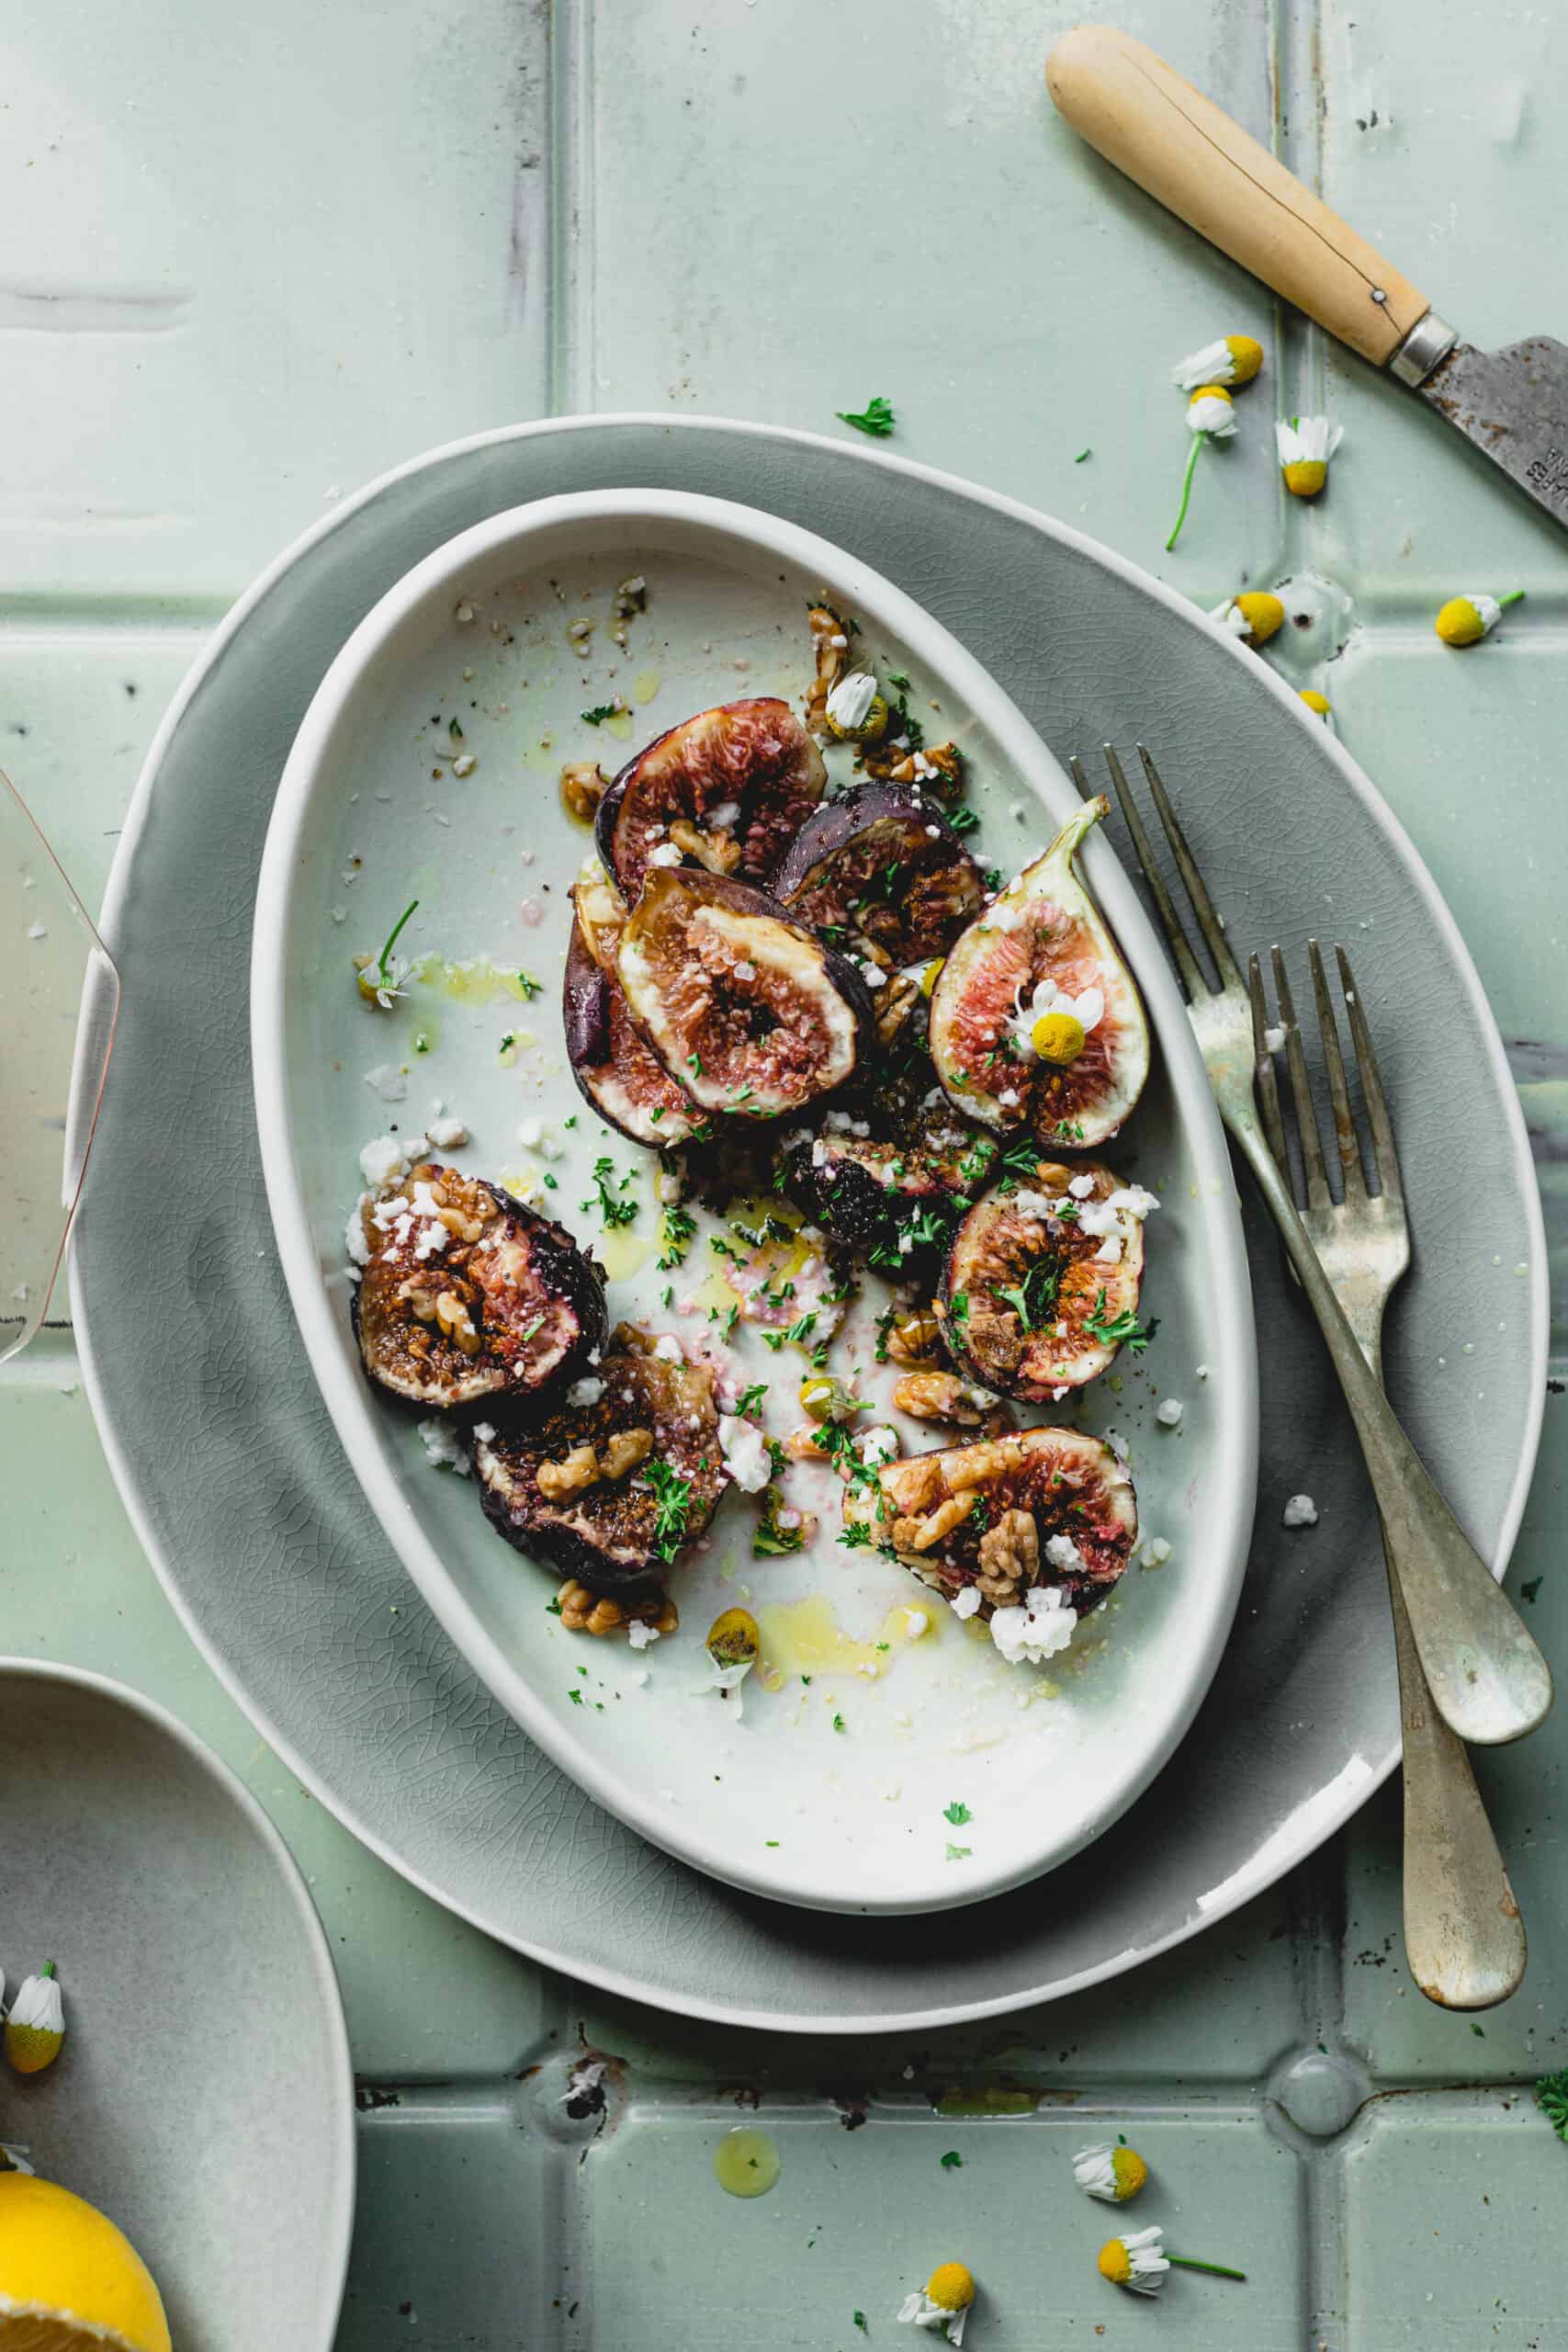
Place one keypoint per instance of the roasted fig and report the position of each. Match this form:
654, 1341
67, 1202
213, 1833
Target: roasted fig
468, 1294
728, 789
749, 1011
1029, 1530
1035, 1021
893, 1197
1040, 1286
617, 1479
626, 1084
881, 871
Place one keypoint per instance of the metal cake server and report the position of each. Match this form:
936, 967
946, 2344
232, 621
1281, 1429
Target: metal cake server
1142, 117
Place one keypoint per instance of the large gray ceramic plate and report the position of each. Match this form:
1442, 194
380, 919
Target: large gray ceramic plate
203, 2097
242, 1495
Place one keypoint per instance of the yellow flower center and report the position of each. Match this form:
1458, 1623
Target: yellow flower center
1459, 623
733, 1637
1315, 701
31, 2048
950, 2287
1115, 2263
1264, 615
1211, 392
1306, 477
1246, 356
871, 726
1057, 1037
1129, 2171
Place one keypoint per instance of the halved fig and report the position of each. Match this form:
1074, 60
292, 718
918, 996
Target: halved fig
749, 1011
1041, 1286
1035, 1020
616, 1071
881, 868
468, 1294
619, 1477
1043, 1512
729, 789
890, 1190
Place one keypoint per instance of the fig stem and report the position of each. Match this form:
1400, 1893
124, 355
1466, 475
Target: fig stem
1186, 492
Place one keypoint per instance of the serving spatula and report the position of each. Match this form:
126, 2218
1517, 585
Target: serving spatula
1182, 149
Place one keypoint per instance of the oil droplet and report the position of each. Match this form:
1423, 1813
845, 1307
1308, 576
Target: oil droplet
644, 685
477, 982
621, 1253
620, 725
746, 2164
805, 1637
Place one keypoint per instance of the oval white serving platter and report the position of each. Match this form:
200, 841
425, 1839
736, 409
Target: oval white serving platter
917, 1777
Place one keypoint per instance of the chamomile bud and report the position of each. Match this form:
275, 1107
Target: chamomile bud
1210, 417
855, 712
1255, 617
1305, 445
1234, 359
1316, 702
1465, 620
1113, 2175
36, 2026
944, 2303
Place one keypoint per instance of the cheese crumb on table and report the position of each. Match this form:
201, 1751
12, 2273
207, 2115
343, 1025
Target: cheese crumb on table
1300, 1511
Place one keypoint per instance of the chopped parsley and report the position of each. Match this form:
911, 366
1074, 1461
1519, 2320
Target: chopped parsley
958, 1854
599, 714
453, 730
896, 678
953, 2161
672, 1497
875, 418
751, 1398
1124, 1331
1081, 455
964, 820
576, 1697
838, 1724
958, 1308
1552, 2098
1032, 1299
1019, 1164
859, 2319
552, 1609
769, 1540
615, 1211
957, 1813
856, 1537
532, 987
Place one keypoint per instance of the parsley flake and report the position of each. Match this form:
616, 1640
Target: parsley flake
875, 418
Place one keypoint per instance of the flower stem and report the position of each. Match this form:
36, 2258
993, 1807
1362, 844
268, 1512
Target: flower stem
392, 935
1186, 492
1215, 2269
1513, 597
48, 1968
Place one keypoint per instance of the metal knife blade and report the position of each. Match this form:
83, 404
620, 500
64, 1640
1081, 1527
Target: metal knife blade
1512, 403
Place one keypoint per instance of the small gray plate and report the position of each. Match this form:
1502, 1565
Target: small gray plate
240, 1491
203, 2098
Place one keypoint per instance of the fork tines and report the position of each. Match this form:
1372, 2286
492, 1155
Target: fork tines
1385, 1160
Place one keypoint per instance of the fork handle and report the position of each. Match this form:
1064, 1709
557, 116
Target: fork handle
1177, 144
1486, 1674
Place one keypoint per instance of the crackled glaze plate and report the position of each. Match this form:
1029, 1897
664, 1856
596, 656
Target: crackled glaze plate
883, 1757
239, 1487
203, 2097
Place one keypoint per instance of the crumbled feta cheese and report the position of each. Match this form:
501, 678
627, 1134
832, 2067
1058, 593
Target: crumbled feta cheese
878, 1445
871, 974
967, 1601
746, 971
667, 1349
356, 1238
485, 1432
1274, 1039
1035, 1631
37, 931
464, 765
1025, 1201
1133, 1200
667, 854
586, 1391
1300, 1511
384, 1159
745, 1451
440, 1442
1202, 1370
849, 702
1062, 1553
639, 1633
1154, 1553
388, 1080
1008, 1098
1080, 1187
727, 813
447, 1133
1168, 1412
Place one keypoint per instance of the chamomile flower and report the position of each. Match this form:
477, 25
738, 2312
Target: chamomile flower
382, 981
1053, 1025
1305, 445
1255, 617
856, 712
734, 1645
1234, 359
1138, 2263
944, 2303
1113, 2175
36, 2026
1465, 620
1210, 417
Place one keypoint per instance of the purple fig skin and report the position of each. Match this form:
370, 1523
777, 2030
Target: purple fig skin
917, 837
606, 1068
741, 898
754, 751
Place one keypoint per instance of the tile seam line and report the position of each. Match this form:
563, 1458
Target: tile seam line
570, 357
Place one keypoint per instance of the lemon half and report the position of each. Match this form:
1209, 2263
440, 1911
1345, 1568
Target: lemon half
69, 2281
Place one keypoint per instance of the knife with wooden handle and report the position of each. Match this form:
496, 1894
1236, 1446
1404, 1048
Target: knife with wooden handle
1180, 147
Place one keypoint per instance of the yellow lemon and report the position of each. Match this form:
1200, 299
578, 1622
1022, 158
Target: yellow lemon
1057, 1037
1263, 613
1306, 477
950, 2287
69, 2281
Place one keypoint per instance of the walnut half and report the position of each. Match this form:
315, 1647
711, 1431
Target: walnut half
1010, 1557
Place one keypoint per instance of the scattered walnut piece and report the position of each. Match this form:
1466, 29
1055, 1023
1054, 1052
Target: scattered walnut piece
942, 1397
583, 785
585, 1612
913, 1339
718, 850
940, 767
1009, 1557
895, 1003
925, 1532
830, 643
624, 1452
576, 1470
452, 1315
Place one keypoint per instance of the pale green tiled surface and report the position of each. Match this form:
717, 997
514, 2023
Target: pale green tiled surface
297, 249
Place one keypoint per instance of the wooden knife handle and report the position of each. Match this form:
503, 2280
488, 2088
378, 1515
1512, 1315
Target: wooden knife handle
1176, 144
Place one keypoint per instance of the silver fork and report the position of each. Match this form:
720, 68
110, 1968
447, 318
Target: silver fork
1485, 1672
1463, 1937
